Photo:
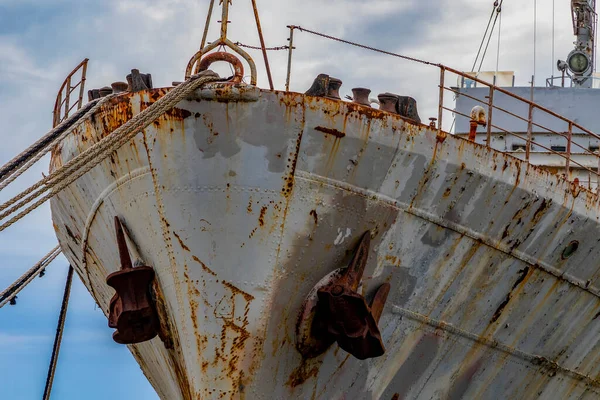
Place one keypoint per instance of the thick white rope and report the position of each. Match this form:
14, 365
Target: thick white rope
32, 273
88, 159
11, 176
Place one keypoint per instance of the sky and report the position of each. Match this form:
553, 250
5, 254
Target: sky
42, 40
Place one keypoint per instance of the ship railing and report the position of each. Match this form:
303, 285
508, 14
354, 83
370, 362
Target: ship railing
572, 147
567, 81
572, 128
62, 105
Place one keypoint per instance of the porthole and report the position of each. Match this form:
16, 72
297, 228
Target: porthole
570, 249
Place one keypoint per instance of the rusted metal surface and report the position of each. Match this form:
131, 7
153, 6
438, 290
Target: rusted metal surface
343, 315
242, 206
325, 86
289, 63
388, 102
238, 68
361, 96
62, 106
131, 311
194, 65
138, 82
262, 44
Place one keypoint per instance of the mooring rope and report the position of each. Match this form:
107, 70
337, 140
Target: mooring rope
38, 150
85, 161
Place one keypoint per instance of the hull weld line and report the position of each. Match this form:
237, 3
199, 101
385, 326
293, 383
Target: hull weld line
536, 360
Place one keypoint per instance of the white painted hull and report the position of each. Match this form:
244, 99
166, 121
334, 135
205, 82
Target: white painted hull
242, 206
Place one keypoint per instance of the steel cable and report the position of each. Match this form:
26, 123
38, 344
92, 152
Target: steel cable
484, 36
364, 46
11, 292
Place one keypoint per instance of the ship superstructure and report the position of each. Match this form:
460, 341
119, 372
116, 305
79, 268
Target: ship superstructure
543, 135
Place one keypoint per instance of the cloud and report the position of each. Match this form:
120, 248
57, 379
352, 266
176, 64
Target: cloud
12, 341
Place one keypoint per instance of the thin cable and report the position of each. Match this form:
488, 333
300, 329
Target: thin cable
484, 36
362, 46
534, 38
498, 11
59, 334
13, 290
499, 38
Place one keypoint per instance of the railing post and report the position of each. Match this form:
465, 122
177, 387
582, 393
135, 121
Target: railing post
490, 112
598, 177
530, 121
441, 100
58, 109
289, 66
568, 163
529, 131
82, 84
67, 98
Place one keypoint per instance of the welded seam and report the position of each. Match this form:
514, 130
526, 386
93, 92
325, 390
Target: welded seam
535, 360
461, 229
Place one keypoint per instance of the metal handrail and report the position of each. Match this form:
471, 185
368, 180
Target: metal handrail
66, 87
513, 115
567, 155
532, 106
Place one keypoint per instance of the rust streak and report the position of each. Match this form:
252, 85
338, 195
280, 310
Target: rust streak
522, 275
183, 246
204, 267
261, 218
330, 131
247, 296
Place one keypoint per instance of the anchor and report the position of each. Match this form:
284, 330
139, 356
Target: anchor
132, 311
341, 314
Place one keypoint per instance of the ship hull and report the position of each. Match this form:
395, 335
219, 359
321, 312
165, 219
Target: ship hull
243, 200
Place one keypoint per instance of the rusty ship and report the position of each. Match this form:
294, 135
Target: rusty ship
250, 243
